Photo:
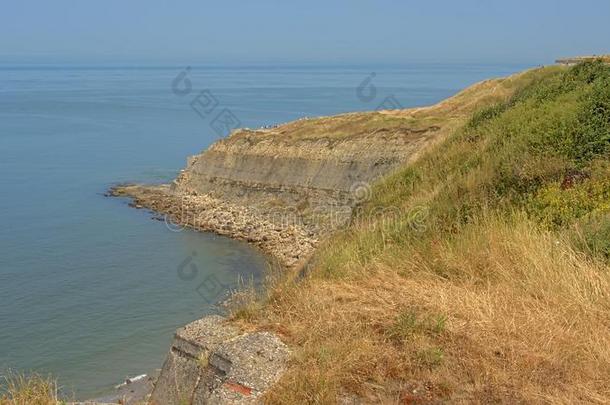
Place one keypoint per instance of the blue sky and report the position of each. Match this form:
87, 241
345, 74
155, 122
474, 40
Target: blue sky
313, 31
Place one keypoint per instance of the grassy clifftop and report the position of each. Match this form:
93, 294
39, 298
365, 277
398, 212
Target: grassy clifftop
478, 273
351, 125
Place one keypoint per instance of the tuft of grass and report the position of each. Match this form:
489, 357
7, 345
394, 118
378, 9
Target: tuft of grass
409, 323
34, 389
432, 357
593, 236
204, 360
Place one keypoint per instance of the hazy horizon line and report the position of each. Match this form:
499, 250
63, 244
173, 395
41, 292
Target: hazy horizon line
118, 63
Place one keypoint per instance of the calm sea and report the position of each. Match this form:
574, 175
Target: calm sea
89, 288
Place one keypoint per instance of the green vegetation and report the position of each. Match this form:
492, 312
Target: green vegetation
544, 151
504, 229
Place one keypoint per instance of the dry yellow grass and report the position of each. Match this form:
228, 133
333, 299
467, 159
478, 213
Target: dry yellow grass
508, 313
34, 389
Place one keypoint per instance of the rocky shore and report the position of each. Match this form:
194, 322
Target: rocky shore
281, 235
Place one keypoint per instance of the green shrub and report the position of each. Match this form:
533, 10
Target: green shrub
592, 136
557, 205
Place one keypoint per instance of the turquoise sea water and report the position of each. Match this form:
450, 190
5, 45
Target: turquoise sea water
89, 288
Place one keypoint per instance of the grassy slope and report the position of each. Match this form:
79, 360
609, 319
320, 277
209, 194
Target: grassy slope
479, 273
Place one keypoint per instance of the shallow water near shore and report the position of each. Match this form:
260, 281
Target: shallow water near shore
91, 290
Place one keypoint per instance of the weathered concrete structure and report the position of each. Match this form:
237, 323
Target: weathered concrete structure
212, 362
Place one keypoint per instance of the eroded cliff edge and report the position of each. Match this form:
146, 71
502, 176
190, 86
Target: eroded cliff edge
284, 188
